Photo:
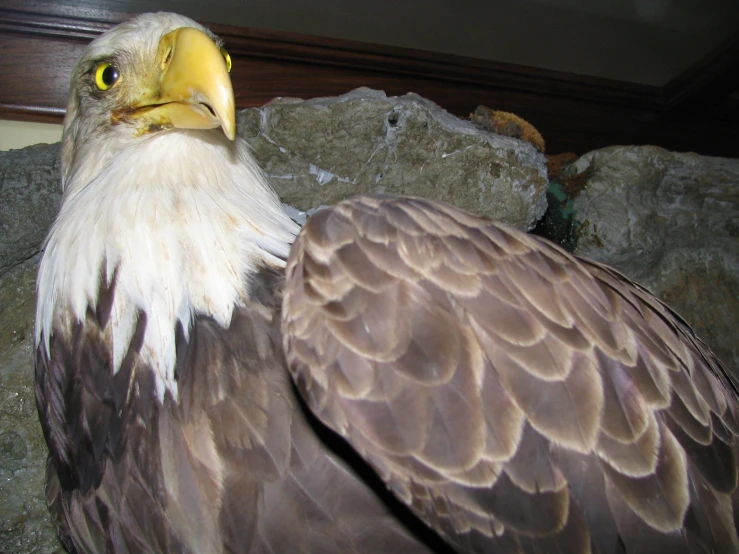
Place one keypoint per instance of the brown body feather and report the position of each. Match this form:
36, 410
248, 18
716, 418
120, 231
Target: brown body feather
234, 466
518, 398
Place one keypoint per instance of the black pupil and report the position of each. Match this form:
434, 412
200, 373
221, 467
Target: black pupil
110, 75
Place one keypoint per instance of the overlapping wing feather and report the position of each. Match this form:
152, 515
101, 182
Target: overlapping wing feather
517, 397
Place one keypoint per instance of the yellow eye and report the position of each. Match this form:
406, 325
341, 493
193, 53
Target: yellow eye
106, 75
226, 57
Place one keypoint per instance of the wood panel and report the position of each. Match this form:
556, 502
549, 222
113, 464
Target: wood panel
39, 43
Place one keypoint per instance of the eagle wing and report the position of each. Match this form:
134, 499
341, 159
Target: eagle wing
518, 398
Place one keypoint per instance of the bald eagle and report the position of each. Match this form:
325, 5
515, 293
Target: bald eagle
210, 379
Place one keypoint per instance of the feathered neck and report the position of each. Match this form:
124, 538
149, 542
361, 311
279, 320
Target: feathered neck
179, 221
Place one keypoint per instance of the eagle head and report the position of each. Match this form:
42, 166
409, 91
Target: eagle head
156, 72
162, 203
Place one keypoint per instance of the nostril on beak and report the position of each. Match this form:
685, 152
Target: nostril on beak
167, 57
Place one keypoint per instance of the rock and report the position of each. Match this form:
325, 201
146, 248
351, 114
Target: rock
29, 200
25, 525
671, 222
320, 151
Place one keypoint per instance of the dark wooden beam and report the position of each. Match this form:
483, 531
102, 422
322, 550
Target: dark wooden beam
710, 81
39, 43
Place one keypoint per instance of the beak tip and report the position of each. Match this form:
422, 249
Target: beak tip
229, 127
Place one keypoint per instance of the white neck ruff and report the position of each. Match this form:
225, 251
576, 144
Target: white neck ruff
182, 218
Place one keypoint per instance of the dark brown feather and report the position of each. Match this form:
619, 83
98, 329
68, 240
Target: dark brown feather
231, 465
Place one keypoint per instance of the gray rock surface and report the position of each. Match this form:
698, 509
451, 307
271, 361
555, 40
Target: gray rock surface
322, 150
24, 522
671, 222
29, 200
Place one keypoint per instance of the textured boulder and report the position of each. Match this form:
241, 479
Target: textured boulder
24, 521
671, 222
29, 200
322, 150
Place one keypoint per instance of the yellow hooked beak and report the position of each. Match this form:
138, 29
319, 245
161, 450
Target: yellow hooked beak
189, 88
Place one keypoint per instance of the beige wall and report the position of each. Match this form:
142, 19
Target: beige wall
18, 134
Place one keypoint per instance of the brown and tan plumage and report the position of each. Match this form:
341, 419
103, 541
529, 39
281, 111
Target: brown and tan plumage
512, 397
517, 397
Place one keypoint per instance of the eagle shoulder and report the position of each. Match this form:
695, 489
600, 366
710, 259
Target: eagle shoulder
223, 467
